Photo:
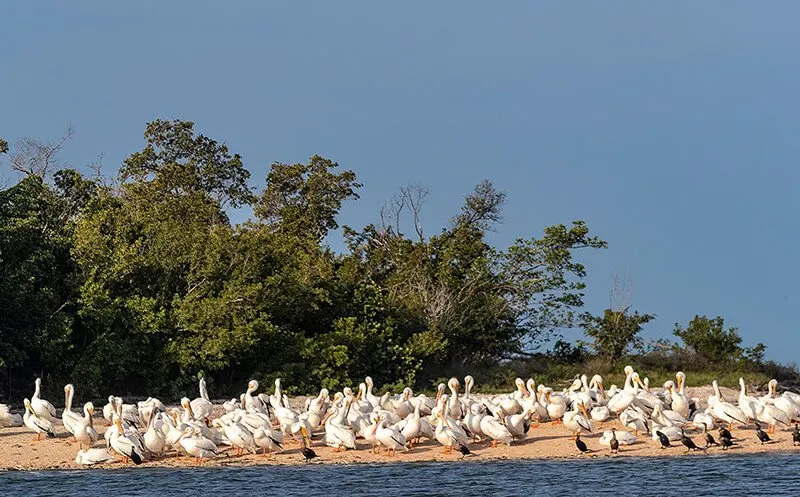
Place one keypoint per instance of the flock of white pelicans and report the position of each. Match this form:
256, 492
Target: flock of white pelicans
267, 422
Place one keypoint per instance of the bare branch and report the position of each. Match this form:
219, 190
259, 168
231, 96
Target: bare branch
36, 158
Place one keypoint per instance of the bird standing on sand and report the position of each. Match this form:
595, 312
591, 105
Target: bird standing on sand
761, 434
796, 435
709, 438
464, 450
726, 442
308, 453
688, 442
614, 443
580, 444
663, 440
724, 433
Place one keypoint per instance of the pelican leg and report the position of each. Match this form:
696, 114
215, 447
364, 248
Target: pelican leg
494, 443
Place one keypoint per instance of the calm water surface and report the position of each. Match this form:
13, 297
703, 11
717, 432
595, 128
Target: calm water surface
693, 475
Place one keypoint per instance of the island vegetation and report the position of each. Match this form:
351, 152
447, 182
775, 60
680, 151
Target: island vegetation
138, 281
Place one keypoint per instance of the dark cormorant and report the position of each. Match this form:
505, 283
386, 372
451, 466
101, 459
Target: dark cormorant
761, 434
688, 442
726, 442
580, 444
614, 442
709, 438
724, 433
663, 440
796, 435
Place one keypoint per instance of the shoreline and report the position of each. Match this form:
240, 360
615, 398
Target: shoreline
20, 453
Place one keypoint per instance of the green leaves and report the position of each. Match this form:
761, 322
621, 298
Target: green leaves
304, 199
708, 338
614, 331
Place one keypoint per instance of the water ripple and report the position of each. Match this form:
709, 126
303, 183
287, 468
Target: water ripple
765, 474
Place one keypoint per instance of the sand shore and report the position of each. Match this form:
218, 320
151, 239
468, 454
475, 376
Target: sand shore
20, 451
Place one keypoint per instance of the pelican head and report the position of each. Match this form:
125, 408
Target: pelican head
252, 386
628, 370
453, 384
368, 381
439, 391
27, 403
681, 377
469, 380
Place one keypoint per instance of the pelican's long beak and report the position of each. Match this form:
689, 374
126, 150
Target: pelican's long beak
438, 395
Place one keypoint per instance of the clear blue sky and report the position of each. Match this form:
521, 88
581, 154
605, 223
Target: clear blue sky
670, 127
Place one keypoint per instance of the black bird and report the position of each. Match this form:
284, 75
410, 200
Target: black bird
724, 433
580, 444
614, 442
761, 434
726, 442
796, 435
308, 452
464, 450
709, 438
688, 442
663, 440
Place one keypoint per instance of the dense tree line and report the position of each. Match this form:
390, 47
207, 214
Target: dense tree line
138, 281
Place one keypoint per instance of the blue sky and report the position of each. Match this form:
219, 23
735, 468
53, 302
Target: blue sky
670, 127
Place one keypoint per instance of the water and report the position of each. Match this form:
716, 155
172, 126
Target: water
763, 474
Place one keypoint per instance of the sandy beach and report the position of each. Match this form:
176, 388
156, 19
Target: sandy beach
19, 449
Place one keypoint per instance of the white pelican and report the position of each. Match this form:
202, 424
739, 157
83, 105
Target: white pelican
634, 419
704, 419
412, 429
785, 402
368, 395
268, 439
724, 411
125, 445
748, 404
623, 399
578, 420
93, 456
556, 405
202, 406
445, 435
492, 426
250, 399
390, 437
7, 419
597, 391
338, 433
455, 405
664, 417
678, 399
237, 435
35, 423
153, 439
68, 417
84, 428
510, 403
519, 424
623, 437
473, 420
41, 407
672, 432
196, 445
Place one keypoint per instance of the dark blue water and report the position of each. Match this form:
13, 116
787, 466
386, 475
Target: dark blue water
727, 476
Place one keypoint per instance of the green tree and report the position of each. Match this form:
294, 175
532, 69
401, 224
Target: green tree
615, 331
708, 338
305, 198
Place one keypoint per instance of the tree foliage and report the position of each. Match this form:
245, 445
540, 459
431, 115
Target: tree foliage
615, 331
709, 339
140, 285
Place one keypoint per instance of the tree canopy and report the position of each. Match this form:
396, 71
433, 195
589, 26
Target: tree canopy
140, 283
